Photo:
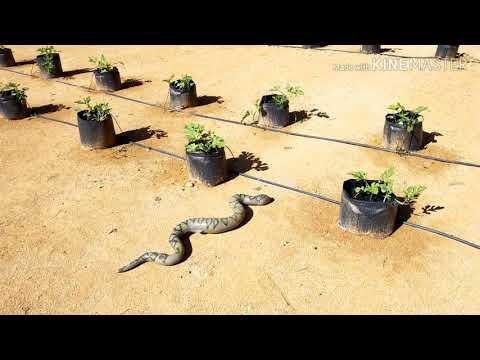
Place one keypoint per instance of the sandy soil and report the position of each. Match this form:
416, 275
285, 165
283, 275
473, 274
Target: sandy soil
71, 217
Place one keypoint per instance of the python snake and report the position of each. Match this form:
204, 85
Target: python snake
200, 225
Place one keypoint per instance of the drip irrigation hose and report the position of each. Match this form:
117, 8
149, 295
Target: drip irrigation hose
383, 53
300, 191
322, 138
353, 143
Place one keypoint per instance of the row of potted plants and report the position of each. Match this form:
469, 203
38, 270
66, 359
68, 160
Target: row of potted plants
367, 206
403, 129
442, 52
49, 63
49, 56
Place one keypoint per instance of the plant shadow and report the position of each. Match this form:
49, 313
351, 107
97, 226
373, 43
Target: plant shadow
312, 46
245, 162
428, 209
382, 50
429, 137
140, 134
404, 213
71, 73
46, 109
303, 115
386, 50
206, 100
25, 62
131, 83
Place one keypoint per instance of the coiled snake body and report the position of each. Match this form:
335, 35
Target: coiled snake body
200, 225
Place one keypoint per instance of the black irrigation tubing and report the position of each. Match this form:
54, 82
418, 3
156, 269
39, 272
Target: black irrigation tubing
441, 233
339, 141
158, 150
316, 137
383, 53
314, 195
318, 196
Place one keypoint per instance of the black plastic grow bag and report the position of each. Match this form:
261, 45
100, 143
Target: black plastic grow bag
396, 137
374, 218
57, 66
181, 99
272, 114
210, 169
370, 49
108, 80
12, 108
6, 58
446, 51
96, 134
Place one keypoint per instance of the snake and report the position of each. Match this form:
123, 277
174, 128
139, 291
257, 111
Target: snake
202, 226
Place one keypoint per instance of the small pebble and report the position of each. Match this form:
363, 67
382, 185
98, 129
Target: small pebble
189, 184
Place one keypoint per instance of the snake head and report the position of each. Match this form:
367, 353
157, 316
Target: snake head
263, 199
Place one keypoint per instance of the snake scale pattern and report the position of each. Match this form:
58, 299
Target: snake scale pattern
200, 225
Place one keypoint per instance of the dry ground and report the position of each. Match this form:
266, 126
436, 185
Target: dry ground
71, 217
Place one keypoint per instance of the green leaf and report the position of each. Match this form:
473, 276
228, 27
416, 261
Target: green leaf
408, 118
387, 175
359, 175
420, 109
200, 140
412, 192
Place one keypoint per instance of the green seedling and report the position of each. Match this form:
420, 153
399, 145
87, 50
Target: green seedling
198, 139
102, 64
15, 89
98, 112
48, 52
404, 117
47, 63
384, 187
281, 98
185, 83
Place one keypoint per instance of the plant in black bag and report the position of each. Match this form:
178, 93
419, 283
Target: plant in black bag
404, 117
47, 53
382, 190
98, 112
281, 98
15, 90
198, 139
184, 83
102, 64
